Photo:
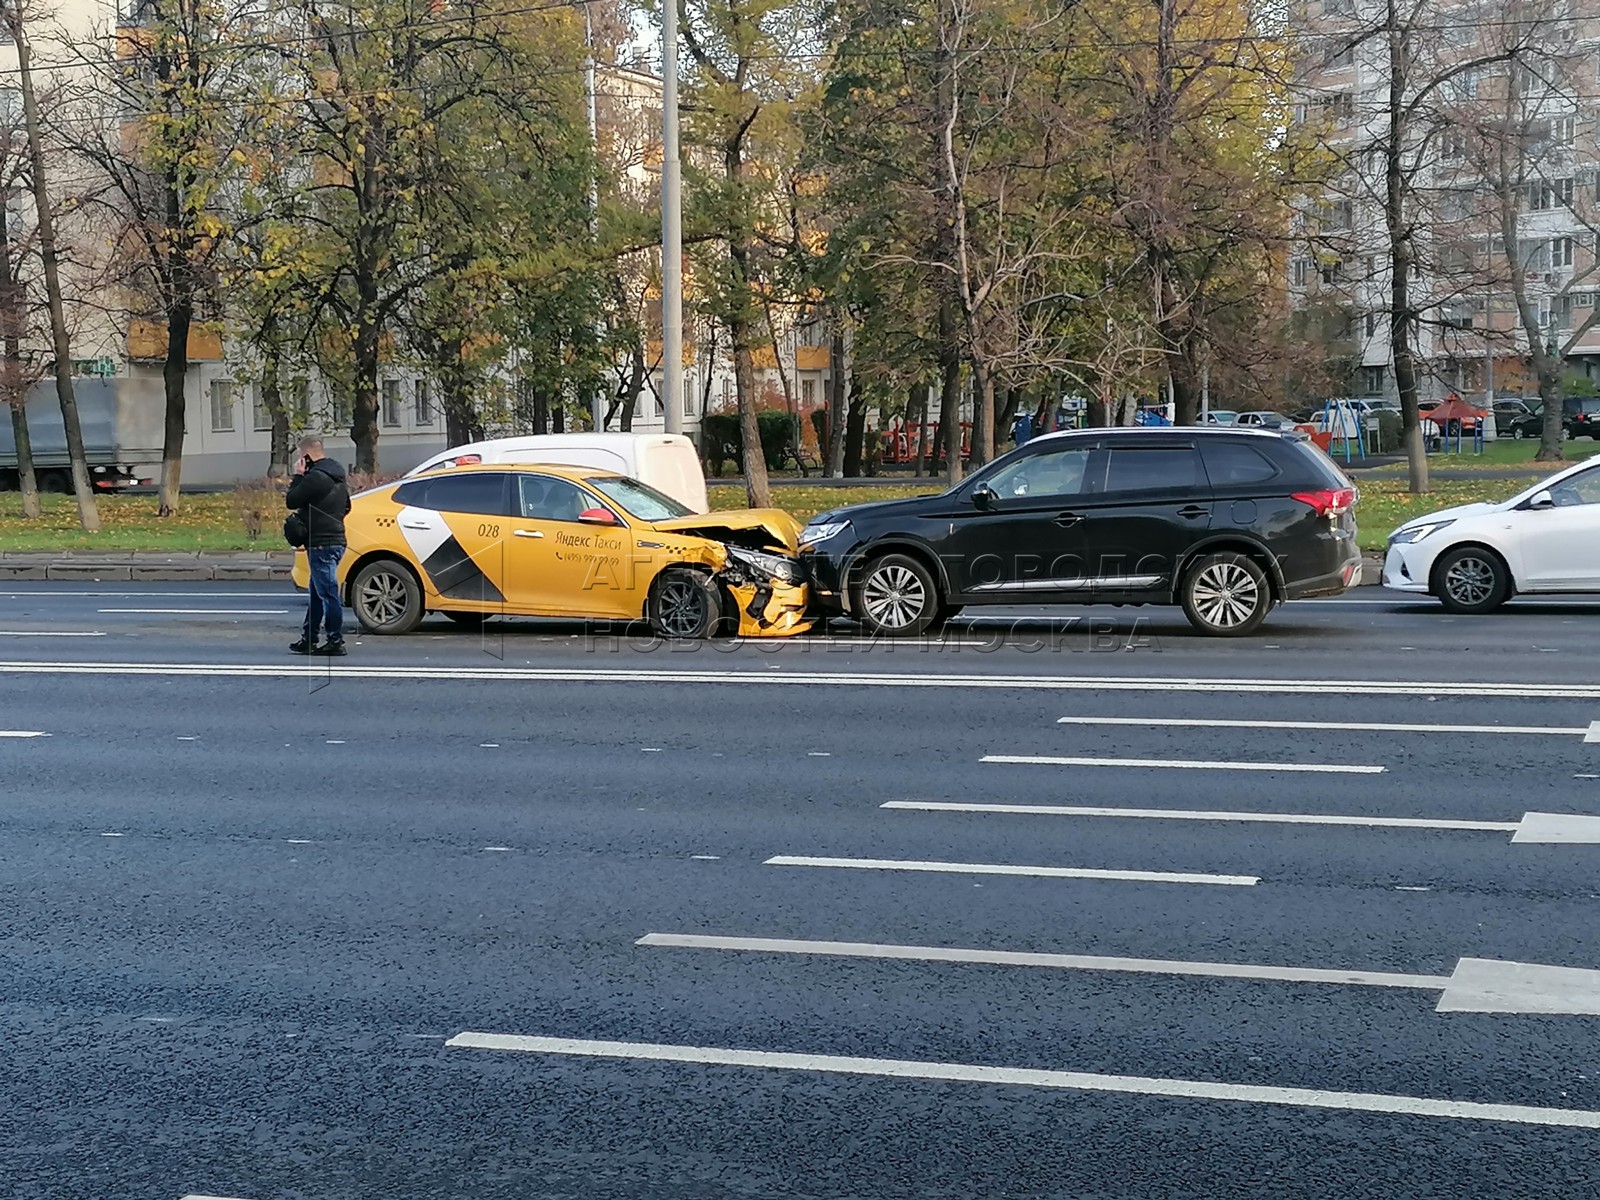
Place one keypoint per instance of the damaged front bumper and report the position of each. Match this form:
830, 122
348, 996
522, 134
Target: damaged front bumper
770, 592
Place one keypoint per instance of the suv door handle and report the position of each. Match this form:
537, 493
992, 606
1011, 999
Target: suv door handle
529, 533
1068, 519
1193, 511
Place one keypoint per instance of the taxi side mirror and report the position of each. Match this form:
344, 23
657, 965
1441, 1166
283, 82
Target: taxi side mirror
597, 516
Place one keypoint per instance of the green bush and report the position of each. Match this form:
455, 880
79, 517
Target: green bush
819, 422
1388, 438
723, 442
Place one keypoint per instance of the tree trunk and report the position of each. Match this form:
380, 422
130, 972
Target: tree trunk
855, 435
88, 510
630, 399
174, 375
950, 388
838, 457
757, 491
918, 438
1401, 250
13, 380
982, 416
364, 420
1007, 417
272, 399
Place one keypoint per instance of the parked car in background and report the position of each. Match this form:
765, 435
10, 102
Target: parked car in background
1222, 416
1507, 413
667, 462
1580, 417
1475, 557
1265, 420
1227, 523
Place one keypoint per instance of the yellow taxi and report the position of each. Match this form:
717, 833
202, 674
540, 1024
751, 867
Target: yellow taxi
547, 541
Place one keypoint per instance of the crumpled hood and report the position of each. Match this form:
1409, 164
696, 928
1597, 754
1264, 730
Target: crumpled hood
782, 532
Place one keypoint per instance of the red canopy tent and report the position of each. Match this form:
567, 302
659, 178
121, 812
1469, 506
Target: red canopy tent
1454, 409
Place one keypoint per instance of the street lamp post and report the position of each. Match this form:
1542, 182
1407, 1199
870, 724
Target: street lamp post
671, 228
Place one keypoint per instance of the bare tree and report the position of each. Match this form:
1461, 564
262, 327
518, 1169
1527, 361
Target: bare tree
88, 511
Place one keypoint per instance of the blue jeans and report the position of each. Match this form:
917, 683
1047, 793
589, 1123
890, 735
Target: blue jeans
323, 602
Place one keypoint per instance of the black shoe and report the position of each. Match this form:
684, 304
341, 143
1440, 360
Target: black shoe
331, 650
301, 647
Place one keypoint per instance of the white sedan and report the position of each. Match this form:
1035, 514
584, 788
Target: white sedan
1476, 557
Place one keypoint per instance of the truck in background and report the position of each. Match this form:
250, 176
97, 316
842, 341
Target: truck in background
122, 428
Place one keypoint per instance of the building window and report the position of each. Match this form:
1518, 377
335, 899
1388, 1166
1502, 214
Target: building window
1372, 381
424, 401
223, 397
1583, 300
1338, 8
1560, 252
1333, 272
341, 411
1554, 193
1372, 325
1300, 271
391, 404
1452, 143
1341, 54
808, 392
261, 414
727, 393
1337, 215
1465, 85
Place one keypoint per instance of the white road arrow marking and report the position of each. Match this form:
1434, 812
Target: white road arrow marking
1534, 828
1477, 984
1082, 1081
1594, 732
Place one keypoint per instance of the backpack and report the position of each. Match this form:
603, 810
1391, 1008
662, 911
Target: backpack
295, 531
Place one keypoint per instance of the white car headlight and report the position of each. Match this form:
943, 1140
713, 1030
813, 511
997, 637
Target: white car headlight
1415, 533
822, 531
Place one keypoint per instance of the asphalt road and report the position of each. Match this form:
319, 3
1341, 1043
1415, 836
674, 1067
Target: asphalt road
265, 925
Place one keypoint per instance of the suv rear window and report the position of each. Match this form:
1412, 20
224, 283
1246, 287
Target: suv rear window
1152, 468
1230, 464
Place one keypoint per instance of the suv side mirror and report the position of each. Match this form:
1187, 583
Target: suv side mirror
1541, 500
983, 497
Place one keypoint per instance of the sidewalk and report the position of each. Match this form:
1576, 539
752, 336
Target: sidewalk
137, 566
143, 567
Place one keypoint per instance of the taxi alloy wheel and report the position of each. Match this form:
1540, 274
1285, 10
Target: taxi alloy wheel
685, 604
387, 597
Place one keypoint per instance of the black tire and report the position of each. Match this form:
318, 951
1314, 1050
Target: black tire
55, 483
1226, 595
1517, 433
1471, 580
387, 597
469, 620
685, 605
896, 596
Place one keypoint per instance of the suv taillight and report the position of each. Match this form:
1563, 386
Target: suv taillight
1329, 503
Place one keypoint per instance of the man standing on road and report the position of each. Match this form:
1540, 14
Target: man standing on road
322, 499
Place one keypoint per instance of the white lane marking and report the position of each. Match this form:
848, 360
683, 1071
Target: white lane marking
650, 749
198, 1196
958, 868
22, 733
113, 835
202, 612
1184, 764
1319, 687
1187, 1089
498, 849
1593, 734
1354, 726
488, 745
298, 841
335, 742
1183, 814
706, 857
187, 738
1068, 962
38, 633
819, 754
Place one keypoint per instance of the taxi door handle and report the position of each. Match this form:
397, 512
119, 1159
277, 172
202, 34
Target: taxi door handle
415, 525
529, 533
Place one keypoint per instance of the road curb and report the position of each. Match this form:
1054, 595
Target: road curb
1371, 572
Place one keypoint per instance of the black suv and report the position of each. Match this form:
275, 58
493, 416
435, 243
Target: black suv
1580, 417
1225, 522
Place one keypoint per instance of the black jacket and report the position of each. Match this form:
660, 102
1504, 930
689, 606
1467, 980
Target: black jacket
323, 500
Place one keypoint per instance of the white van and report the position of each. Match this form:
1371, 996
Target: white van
666, 461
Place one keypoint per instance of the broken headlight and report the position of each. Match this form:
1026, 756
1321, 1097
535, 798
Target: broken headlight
774, 566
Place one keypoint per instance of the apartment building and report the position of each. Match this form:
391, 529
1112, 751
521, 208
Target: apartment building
1500, 152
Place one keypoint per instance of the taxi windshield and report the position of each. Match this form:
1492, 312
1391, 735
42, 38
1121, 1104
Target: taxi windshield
640, 499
